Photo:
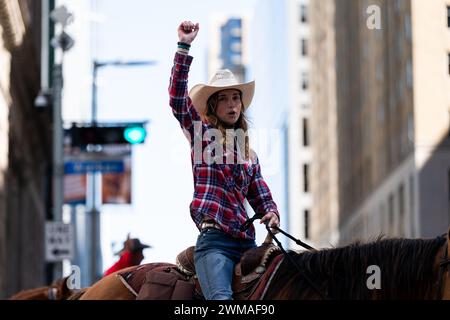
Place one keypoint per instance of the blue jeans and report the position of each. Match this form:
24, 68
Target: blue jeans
215, 256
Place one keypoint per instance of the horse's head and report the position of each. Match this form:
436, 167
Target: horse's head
58, 290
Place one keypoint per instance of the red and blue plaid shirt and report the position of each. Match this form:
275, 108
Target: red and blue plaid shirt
220, 189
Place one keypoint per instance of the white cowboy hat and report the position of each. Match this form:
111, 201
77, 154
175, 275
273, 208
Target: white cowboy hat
221, 80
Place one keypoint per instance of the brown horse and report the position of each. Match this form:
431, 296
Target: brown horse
58, 290
409, 269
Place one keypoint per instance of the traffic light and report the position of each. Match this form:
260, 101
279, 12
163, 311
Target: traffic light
135, 134
128, 133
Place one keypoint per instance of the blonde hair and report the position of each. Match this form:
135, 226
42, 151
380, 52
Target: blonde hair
241, 123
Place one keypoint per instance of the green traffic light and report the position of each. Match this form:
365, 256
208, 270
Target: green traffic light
134, 135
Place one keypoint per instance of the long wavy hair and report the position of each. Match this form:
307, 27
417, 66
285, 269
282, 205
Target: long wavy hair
241, 123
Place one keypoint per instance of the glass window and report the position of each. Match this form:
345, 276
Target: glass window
449, 184
449, 63
411, 203
401, 209
391, 214
235, 32
305, 81
236, 46
236, 59
407, 26
306, 223
303, 14
409, 74
304, 47
305, 132
448, 16
306, 177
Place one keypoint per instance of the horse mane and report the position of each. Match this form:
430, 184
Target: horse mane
406, 267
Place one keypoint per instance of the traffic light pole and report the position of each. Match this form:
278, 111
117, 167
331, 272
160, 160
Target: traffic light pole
94, 195
58, 157
62, 43
93, 217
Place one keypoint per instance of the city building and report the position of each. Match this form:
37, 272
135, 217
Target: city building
228, 47
25, 149
299, 119
380, 85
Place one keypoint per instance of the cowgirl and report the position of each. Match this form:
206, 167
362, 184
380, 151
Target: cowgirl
225, 174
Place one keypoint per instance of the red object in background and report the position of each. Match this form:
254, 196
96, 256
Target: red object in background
125, 261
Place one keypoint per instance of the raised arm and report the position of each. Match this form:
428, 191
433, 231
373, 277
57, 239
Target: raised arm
180, 102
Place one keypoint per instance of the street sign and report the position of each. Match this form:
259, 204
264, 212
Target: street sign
106, 166
59, 241
75, 188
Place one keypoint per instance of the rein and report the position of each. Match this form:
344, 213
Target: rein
297, 241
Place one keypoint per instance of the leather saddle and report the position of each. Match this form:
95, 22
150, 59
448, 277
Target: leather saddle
251, 274
247, 273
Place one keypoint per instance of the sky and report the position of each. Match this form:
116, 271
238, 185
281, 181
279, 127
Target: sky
162, 176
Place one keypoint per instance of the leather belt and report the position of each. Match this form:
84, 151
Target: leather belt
210, 224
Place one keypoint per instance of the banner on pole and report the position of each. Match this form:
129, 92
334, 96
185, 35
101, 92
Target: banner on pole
116, 187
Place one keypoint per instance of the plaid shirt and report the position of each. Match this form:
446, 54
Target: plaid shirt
219, 188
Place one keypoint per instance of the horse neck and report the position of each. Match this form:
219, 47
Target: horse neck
406, 267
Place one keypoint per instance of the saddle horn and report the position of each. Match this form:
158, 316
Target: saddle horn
268, 239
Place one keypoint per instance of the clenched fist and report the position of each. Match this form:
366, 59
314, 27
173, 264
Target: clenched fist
187, 31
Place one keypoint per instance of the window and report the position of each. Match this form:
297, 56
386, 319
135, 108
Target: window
236, 32
409, 74
303, 14
236, 46
236, 59
412, 213
401, 209
448, 16
305, 132
391, 213
304, 47
410, 128
449, 63
407, 27
306, 177
449, 184
382, 219
448, 134
305, 82
306, 223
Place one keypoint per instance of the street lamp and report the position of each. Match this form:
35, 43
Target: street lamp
116, 63
63, 42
